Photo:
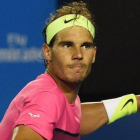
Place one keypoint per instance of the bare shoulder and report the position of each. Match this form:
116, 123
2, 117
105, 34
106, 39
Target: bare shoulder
22, 132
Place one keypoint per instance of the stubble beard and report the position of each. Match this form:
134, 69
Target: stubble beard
74, 80
77, 78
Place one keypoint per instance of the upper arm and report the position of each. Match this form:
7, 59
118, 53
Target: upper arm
39, 114
23, 132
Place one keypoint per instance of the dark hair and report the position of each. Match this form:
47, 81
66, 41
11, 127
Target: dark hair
71, 8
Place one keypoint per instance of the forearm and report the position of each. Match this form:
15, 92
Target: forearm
93, 117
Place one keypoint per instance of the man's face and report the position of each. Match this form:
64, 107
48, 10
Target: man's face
72, 55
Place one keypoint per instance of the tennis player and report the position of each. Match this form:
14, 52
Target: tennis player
49, 107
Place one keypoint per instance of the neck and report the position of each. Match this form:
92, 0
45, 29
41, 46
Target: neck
69, 89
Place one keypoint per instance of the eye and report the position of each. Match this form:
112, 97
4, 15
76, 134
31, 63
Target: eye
86, 46
66, 45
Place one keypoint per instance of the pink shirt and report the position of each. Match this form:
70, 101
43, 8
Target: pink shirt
42, 106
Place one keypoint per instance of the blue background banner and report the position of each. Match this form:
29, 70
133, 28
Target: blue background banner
21, 25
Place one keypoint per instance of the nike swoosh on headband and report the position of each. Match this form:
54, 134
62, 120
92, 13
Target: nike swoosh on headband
130, 100
66, 21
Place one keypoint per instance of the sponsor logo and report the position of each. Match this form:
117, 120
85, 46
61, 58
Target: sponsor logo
18, 50
130, 100
66, 21
34, 115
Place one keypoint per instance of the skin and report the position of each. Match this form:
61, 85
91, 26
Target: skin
70, 61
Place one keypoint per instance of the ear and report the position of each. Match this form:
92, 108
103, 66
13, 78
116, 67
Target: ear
47, 52
95, 50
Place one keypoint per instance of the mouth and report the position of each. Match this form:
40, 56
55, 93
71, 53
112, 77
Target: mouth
77, 66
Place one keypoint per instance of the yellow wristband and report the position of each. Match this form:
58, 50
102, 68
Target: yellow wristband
120, 107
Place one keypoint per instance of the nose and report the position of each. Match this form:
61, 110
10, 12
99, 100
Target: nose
77, 54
